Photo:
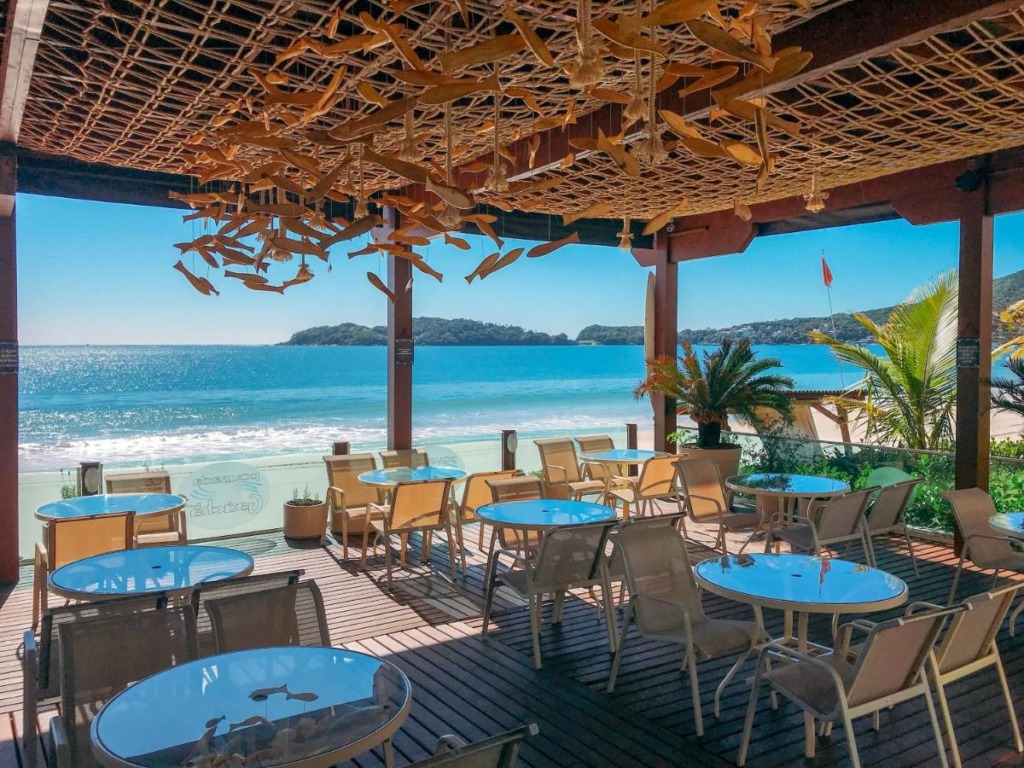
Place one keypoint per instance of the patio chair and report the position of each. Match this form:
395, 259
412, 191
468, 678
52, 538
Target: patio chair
609, 474
665, 604
292, 614
228, 588
75, 538
347, 498
706, 500
523, 488
476, 493
102, 657
153, 530
972, 508
409, 457
40, 661
888, 670
968, 646
563, 478
570, 557
657, 482
887, 513
415, 506
495, 752
836, 521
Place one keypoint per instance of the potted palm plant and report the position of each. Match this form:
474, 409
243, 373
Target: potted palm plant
305, 516
710, 385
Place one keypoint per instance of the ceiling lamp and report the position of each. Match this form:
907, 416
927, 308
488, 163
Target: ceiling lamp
816, 197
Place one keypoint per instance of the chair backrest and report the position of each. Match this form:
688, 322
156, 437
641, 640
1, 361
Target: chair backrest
558, 460
292, 614
885, 476
230, 588
842, 515
75, 538
591, 443
477, 491
892, 656
419, 504
495, 752
704, 494
972, 632
409, 457
523, 488
102, 657
657, 478
343, 472
657, 566
972, 508
570, 555
137, 482
891, 503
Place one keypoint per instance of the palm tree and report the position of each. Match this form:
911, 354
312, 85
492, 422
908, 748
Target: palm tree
730, 379
911, 389
1009, 391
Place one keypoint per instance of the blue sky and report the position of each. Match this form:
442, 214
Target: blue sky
101, 273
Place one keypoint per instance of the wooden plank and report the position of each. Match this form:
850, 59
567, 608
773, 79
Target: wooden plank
8, 387
400, 331
21, 40
666, 334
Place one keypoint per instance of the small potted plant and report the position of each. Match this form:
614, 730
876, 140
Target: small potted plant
305, 516
711, 385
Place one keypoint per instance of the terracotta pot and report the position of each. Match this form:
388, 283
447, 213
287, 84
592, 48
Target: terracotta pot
305, 522
727, 458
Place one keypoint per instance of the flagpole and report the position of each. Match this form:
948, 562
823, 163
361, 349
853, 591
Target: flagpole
831, 314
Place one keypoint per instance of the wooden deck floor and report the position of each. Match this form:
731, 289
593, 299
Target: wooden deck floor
429, 627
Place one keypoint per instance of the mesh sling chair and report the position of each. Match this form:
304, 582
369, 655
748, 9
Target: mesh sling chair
154, 529
498, 751
349, 499
888, 670
609, 474
408, 457
415, 506
73, 539
476, 493
569, 557
292, 614
41, 674
525, 488
840, 520
563, 478
102, 657
657, 482
886, 515
665, 605
706, 500
230, 588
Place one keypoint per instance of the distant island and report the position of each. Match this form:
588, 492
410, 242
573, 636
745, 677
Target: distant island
460, 332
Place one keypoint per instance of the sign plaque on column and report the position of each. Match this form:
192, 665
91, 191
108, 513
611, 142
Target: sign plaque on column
403, 351
968, 352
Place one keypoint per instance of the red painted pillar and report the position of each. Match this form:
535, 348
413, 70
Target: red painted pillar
666, 332
8, 376
400, 344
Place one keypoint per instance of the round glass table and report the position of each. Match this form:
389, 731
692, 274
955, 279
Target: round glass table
388, 478
621, 456
540, 514
297, 706
148, 570
111, 503
801, 584
786, 490
1011, 524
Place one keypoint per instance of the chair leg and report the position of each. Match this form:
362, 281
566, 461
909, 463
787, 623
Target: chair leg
344, 536
480, 543
1009, 705
609, 611
748, 723
910, 548
462, 548
851, 737
489, 584
729, 676
617, 661
810, 737
387, 559
691, 665
535, 607
1013, 618
451, 552
956, 578
935, 725
389, 754
947, 720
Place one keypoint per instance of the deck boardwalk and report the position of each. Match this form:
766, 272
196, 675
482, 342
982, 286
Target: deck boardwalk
472, 687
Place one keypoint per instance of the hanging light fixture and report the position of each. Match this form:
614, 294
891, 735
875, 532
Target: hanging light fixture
816, 197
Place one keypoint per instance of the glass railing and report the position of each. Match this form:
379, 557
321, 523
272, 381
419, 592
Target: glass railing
853, 462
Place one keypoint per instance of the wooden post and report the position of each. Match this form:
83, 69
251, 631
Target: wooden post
400, 344
666, 331
509, 443
974, 336
341, 448
632, 470
8, 378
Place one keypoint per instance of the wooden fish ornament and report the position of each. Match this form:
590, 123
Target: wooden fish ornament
458, 242
741, 210
595, 211
663, 218
532, 39
509, 258
678, 125
485, 52
741, 153
622, 157
426, 269
377, 283
712, 78
394, 110
790, 63
441, 94
703, 147
628, 38
484, 265
545, 248
411, 171
667, 13
396, 34
747, 110
721, 41
371, 94
201, 284
245, 277
355, 229
453, 196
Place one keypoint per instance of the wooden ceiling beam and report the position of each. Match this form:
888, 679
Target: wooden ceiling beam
839, 38
21, 39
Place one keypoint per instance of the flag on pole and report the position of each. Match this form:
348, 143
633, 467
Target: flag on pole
826, 273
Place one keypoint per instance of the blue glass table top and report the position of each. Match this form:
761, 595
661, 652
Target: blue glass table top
396, 475
544, 513
801, 583
787, 485
150, 569
1010, 524
621, 456
299, 705
110, 503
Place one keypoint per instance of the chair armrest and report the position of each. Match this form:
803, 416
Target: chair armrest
42, 557
1013, 544
331, 490
914, 607
845, 634
59, 742
778, 648
547, 471
448, 743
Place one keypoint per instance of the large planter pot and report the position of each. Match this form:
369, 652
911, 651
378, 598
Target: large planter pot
727, 457
305, 521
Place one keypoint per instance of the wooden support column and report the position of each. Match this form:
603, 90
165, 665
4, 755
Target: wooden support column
8, 379
974, 331
666, 331
400, 344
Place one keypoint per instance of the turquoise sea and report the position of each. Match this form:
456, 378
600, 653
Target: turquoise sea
165, 404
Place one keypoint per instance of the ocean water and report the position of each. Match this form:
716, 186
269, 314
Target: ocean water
169, 404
